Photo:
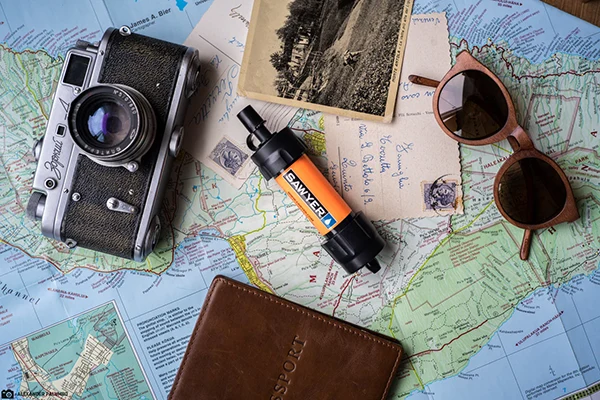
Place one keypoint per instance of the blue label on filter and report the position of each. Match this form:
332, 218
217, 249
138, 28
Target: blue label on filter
328, 221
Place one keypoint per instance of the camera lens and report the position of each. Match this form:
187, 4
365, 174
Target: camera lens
108, 123
112, 124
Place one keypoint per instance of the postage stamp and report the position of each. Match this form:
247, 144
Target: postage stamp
229, 156
440, 195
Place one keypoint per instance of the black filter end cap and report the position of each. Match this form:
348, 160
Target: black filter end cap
275, 152
278, 153
356, 245
250, 119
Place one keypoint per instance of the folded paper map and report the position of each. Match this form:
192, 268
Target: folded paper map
409, 168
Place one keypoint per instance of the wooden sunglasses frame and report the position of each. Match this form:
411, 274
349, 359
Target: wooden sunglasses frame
517, 137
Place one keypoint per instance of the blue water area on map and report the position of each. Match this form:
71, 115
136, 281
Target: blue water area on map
532, 29
139, 296
31, 24
197, 261
166, 19
548, 348
17, 291
37, 25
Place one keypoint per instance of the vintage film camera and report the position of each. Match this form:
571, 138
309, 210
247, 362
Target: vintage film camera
115, 128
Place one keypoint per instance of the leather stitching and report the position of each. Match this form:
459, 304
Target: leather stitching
309, 314
295, 308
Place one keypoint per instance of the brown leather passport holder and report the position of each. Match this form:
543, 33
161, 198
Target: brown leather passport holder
248, 344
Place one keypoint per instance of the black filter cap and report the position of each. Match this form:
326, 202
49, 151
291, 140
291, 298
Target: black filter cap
255, 125
275, 152
356, 245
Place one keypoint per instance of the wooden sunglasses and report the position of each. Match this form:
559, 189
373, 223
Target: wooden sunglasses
473, 107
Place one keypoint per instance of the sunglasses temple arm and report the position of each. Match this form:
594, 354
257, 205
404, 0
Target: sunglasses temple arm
526, 244
419, 80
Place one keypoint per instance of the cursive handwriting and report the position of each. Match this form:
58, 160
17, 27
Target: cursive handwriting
362, 131
367, 170
334, 180
426, 20
235, 14
228, 108
54, 162
235, 42
385, 165
223, 91
345, 164
400, 150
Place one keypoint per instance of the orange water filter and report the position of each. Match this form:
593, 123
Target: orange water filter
350, 238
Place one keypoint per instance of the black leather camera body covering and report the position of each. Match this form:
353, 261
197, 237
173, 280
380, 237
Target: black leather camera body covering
165, 74
151, 67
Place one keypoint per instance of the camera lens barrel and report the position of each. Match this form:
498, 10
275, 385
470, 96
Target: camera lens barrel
112, 124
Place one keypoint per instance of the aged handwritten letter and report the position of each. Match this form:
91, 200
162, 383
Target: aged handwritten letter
409, 168
214, 135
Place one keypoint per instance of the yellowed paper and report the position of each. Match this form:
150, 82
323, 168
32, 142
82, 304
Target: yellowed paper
214, 135
343, 58
409, 168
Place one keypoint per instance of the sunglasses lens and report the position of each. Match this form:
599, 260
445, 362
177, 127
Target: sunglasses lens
532, 192
472, 106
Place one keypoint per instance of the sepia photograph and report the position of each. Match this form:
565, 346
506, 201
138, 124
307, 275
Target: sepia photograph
338, 56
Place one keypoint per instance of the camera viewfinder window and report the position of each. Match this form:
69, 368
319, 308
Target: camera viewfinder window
76, 70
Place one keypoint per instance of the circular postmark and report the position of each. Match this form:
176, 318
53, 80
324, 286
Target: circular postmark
440, 195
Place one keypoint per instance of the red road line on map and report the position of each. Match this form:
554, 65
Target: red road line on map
339, 300
450, 342
29, 368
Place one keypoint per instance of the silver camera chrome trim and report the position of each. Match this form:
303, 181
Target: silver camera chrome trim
59, 153
125, 30
162, 170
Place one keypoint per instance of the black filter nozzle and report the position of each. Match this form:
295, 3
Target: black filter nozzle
275, 152
356, 245
255, 124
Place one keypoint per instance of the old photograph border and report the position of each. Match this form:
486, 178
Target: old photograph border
248, 80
